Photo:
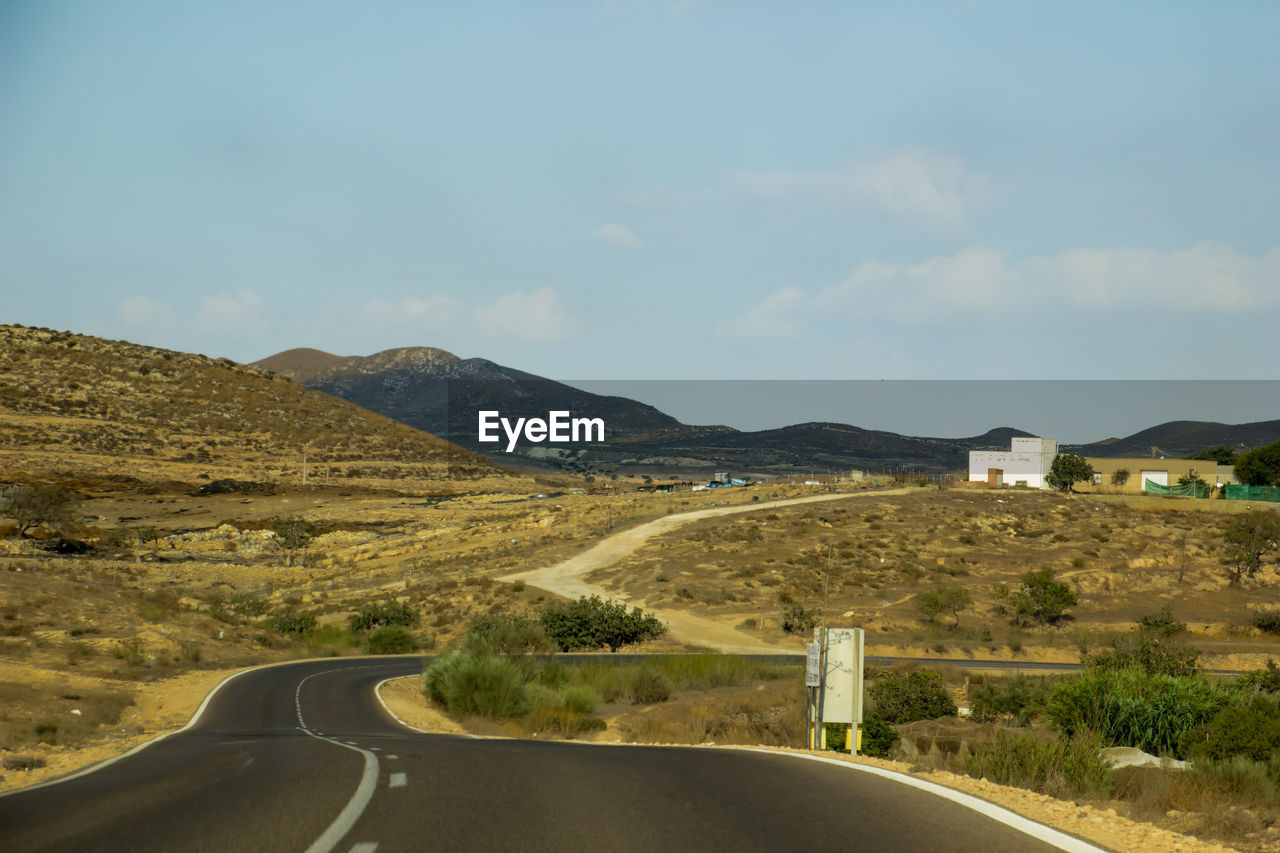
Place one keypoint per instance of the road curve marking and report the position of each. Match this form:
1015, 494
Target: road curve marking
355, 807
398, 780
1026, 825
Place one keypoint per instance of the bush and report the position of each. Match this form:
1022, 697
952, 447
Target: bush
1260, 680
1250, 729
649, 688
1145, 651
1131, 707
1267, 621
1162, 623
1018, 699
1247, 540
32, 506
293, 622
478, 686
391, 640
593, 623
797, 620
378, 614
1041, 598
507, 634
877, 737
1065, 768
903, 697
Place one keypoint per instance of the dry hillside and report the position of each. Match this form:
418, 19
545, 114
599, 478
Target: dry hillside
80, 406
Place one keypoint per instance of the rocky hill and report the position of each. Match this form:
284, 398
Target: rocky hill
76, 405
1179, 438
434, 390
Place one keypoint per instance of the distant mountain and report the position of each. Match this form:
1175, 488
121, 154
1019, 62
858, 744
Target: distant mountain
1181, 438
437, 391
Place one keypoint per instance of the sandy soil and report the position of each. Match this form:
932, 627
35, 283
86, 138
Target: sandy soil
403, 698
566, 578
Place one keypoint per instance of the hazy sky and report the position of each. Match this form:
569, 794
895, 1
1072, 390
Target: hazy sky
651, 189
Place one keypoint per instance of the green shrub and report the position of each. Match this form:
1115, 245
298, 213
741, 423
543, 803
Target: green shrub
293, 622
1147, 651
1018, 699
877, 737
1267, 621
1041, 599
1152, 712
507, 634
579, 699
593, 623
1250, 729
649, 688
901, 697
391, 640
1064, 768
377, 614
478, 686
1260, 680
1162, 623
796, 619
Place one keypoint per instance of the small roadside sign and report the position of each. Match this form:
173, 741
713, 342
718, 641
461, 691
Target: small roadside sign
812, 665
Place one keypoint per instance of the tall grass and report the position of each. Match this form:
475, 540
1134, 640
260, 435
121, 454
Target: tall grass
1064, 768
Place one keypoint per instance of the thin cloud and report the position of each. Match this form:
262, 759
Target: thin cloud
910, 184
618, 236
978, 285
536, 316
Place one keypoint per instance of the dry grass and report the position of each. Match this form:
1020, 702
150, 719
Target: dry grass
866, 562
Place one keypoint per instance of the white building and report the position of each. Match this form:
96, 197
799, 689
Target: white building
1026, 463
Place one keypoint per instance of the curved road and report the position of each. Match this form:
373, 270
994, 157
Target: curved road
302, 757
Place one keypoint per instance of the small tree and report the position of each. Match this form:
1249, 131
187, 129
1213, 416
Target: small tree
33, 506
1259, 467
1221, 453
1192, 478
1247, 540
1068, 469
945, 599
1119, 477
292, 535
1041, 598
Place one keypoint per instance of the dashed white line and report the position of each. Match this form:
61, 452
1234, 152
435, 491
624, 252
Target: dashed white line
393, 757
365, 847
347, 818
399, 780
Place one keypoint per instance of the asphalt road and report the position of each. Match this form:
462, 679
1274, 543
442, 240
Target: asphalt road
302, 757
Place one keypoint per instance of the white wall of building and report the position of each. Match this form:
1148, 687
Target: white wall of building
1028, 461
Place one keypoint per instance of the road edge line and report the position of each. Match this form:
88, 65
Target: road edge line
1040, 831
377, 691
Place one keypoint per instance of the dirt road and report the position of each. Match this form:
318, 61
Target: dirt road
567, 578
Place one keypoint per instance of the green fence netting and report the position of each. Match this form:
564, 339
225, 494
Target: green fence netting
1190, 490
1251, 493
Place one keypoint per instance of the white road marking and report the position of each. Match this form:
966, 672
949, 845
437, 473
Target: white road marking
399, 780
394, 757
365, 847
355, 807
376, 748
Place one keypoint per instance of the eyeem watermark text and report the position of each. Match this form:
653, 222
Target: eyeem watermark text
558, 428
